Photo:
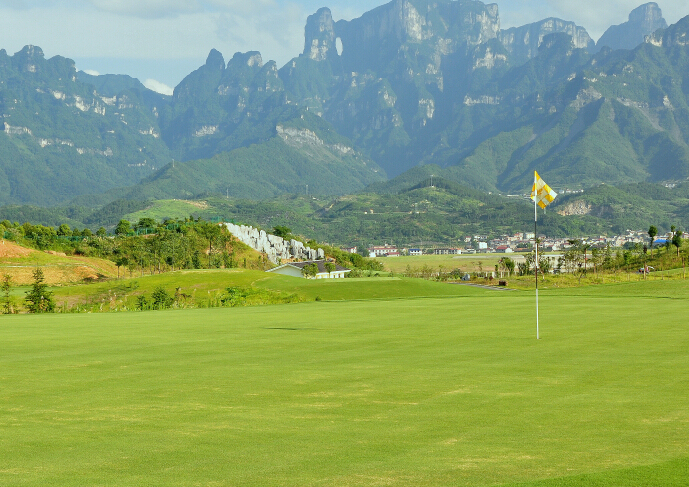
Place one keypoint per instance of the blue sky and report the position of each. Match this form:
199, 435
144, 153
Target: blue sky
161, 41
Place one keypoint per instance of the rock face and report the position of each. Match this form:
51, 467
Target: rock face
643, 21
676, 35
276, 248
319, 36
376, 37
523, 42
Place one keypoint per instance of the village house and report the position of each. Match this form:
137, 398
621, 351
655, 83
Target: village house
382, 251
449, 251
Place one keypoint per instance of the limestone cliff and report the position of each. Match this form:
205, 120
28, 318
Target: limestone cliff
378, 36
643, 21
319, 36
275, 248
676, 35
523, 42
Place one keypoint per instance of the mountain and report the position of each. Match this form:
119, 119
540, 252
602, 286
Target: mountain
409, 84
305, 156
643, 21
619, 117
61, 138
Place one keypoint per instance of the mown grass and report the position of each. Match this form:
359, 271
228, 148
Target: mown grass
424, 391
205, 288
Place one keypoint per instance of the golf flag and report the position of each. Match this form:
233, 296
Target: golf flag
542, 194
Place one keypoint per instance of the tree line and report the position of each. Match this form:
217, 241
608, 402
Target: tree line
148, 247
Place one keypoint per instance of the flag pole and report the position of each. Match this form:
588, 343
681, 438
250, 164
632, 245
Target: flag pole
542, 194
535, 239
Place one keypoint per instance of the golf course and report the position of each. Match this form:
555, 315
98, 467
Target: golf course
375, 382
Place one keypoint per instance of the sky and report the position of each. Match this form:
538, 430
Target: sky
161, 41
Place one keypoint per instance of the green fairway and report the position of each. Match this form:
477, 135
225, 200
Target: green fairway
423, 391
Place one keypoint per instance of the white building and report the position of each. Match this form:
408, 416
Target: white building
382, 251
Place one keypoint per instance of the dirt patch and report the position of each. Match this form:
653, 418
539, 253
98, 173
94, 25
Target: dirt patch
10, 249
52, 252
54, 274
201, 205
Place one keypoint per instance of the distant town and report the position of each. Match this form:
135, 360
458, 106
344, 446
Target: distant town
519, 242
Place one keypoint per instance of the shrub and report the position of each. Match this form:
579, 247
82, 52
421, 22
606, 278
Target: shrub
161, 298
141, 303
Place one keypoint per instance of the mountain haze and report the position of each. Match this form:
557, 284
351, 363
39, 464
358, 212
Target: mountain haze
409, 83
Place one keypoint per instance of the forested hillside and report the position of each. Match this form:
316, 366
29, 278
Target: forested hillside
414, 83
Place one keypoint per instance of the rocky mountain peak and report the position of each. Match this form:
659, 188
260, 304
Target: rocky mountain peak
524, 42
29, 59
250, 59
648, 16
643, 21
215, 60
378, 36
319, 36
31, 52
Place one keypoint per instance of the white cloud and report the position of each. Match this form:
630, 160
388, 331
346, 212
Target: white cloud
158, 87
91, 72
151, 9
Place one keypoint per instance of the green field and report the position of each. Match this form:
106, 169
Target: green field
394, 391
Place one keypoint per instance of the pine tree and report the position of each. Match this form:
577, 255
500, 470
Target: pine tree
38, 298
6, 286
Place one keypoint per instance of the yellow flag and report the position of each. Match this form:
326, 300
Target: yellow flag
541, 193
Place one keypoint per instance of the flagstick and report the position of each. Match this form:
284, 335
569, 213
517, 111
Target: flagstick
535, 239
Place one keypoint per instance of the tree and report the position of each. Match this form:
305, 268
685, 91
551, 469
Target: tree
64, 230
144, 225
544, 265
310, 270
575, 258
597, 258
6, 286
509, 265
652, 232
101, 232
123, 227
677, 240
210, 232
38, 298
282, 231
121, 261
330, 267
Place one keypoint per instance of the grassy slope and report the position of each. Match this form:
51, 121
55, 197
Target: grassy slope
434, 391
20, 262
204, 285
